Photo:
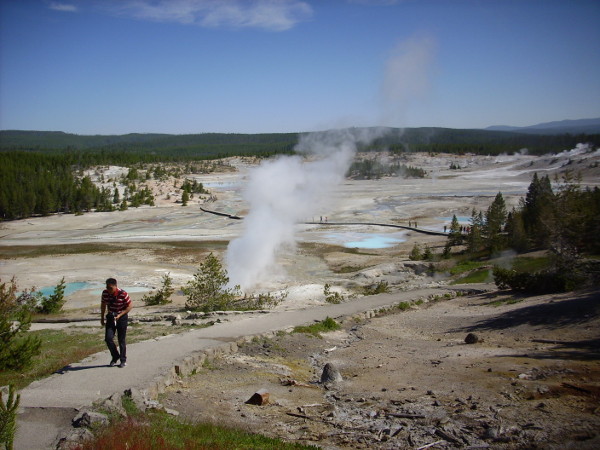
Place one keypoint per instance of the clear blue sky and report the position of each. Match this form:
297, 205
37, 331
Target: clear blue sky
243, 66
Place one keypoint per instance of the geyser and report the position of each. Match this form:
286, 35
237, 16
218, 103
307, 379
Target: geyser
283, 192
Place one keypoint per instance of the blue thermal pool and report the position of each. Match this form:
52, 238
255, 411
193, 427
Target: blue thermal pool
95, 288
366, 240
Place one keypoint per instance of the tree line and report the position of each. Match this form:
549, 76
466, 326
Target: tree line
563, 221
218, 145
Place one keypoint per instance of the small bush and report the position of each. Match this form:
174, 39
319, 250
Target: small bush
207, 291
415, 253
544, 282
320, 327
332, 297
8, 417
403, 306
378, 288
16, 349
163, 295
260, 301
54, 303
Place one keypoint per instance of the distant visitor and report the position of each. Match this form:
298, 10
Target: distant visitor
115, 308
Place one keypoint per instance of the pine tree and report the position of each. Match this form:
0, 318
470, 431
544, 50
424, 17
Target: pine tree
8, 417
207, 291
16, 350
54, 303
454, 236
475, 238
537, 211
515, 230
495, 219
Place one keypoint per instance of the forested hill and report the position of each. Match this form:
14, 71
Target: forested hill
211, 145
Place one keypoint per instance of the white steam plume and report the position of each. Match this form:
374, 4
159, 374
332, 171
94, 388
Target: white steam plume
406, 76
284, 192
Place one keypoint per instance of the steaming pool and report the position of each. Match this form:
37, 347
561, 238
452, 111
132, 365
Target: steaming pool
94, 288
355, 239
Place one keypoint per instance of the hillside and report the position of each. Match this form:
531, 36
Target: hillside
428, 139
581, 126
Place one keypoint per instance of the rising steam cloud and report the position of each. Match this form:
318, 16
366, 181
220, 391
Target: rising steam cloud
284, 192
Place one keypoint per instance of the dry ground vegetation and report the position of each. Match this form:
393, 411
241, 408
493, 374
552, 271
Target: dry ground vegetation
410, 380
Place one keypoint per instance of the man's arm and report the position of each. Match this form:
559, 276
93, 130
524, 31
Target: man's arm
102, 312
125, 311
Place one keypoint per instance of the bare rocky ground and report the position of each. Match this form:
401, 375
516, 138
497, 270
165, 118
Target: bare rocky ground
410, 380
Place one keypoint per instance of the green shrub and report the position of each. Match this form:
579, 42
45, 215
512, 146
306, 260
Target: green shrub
544, 282
415, 253
403, 306
54, 303
207, 291
378, 288
163, 295
260, 301
332, 297
320, 327
8, 417
16, 350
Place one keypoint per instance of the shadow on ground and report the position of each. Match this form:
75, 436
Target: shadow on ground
577, 310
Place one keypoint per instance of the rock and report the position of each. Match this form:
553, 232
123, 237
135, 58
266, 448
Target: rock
172, 412
153, 404
89, 418
330, 374
114, 404
137, 397
74, 438
259, 398
471, 338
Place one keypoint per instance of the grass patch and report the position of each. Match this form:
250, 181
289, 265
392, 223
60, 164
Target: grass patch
320, 249
62, 347
349, 269
465, 266
378, 288
317, 328
477, 276
531, 265
35, 251
403, 306
58, 350
160, 431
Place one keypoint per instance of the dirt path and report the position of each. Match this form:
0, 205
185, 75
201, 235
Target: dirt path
410, 380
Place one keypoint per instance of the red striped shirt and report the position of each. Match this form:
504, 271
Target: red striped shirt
116, 303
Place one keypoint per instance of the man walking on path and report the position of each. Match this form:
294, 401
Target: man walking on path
119, 304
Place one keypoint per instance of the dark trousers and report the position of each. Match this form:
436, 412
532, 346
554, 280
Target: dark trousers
120, 327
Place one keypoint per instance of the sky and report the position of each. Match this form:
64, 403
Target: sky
269, 66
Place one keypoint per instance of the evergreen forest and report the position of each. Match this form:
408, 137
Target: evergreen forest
43, 172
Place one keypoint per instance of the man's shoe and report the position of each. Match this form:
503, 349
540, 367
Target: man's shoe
123, 364
113, 362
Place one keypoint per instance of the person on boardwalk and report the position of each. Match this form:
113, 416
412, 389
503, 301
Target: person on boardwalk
118, 304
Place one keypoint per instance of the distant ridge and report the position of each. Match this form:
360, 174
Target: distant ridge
579, 126
218, 145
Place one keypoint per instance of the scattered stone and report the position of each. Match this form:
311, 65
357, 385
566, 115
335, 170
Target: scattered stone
153, 404
74, 439
330, 374
114, 404
471, 338
89, 418
259, 398
172, 412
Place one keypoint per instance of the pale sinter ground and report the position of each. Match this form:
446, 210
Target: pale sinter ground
398, 353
